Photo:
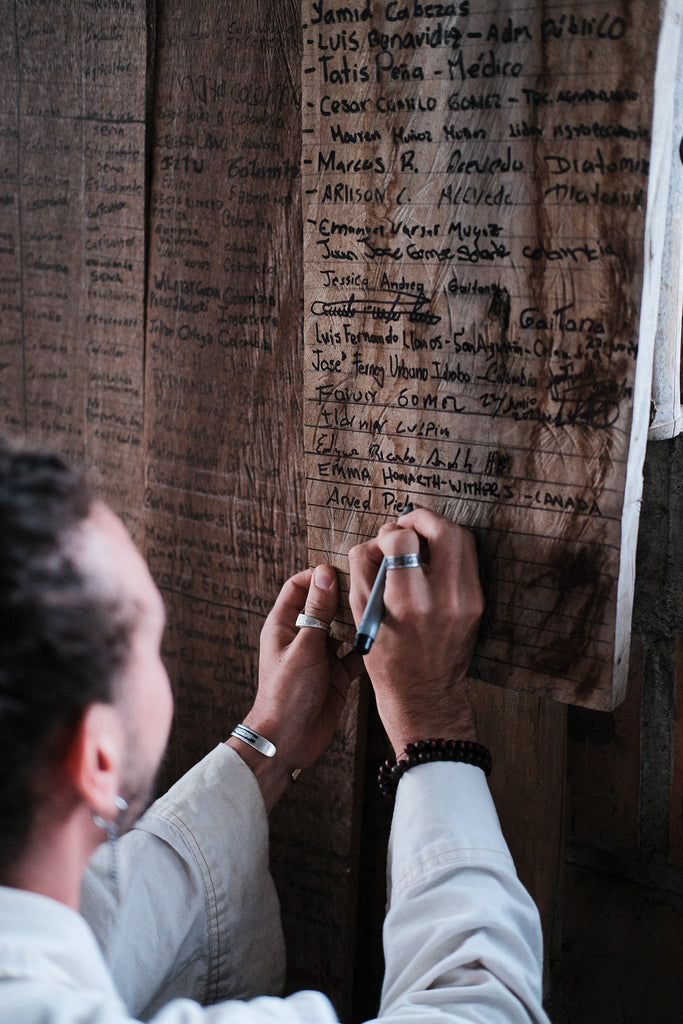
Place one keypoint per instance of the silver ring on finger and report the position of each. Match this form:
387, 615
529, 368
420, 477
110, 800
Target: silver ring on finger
410, 561
310, 620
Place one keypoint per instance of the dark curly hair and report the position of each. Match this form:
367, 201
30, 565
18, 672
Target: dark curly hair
61, 647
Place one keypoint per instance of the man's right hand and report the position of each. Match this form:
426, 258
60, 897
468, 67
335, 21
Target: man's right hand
424, 646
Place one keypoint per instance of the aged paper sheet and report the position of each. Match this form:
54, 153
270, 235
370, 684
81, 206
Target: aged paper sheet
475, 188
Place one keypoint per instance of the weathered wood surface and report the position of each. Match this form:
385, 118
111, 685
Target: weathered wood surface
475, 193
151, 276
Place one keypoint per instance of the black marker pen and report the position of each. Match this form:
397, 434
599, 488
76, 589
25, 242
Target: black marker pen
374, 609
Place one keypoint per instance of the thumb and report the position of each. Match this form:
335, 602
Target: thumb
323, 594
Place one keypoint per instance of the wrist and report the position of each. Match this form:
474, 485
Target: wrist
270, 770
438, 706
403, 729
431, 750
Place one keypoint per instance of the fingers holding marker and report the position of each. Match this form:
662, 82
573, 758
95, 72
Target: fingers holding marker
453, 565
399, 551
411, 560
364, 562
448, 547
402, 550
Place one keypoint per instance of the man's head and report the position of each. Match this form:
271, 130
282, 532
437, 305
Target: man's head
84, 699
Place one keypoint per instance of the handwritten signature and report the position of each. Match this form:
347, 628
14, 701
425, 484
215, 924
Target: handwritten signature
413, 307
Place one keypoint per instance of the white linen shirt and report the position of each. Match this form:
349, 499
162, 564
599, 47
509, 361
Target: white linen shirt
195, 910
198, 917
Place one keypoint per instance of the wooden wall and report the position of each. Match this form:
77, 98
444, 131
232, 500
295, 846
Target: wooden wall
619, 955
151, 300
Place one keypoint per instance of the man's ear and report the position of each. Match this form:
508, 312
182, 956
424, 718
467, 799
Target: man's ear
95, 758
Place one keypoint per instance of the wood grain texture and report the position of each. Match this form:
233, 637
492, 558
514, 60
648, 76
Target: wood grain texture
475, 255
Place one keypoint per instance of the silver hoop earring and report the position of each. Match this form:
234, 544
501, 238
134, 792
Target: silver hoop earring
111, 827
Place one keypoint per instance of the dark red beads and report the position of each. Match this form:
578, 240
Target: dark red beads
424, 751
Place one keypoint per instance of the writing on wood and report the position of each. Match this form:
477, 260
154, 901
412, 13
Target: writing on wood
72, 182
475, 189
223, 503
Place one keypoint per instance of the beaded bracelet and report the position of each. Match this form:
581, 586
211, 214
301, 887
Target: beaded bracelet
423, 751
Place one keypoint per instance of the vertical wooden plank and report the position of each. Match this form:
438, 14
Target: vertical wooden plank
676, 805
526, 734
221, 518
11, 321
667, 379
73, 101
621, 953
603, 768
223, 521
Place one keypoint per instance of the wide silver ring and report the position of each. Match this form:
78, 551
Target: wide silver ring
411, 561
310, 620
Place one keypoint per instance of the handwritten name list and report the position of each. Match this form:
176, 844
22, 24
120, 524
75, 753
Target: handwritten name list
223, 518
475, 182
72, 272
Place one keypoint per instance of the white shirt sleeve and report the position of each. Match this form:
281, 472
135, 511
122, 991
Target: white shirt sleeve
195, 913
462, 937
